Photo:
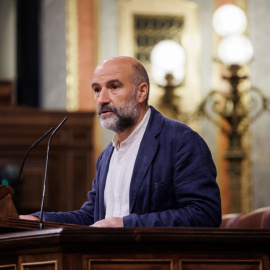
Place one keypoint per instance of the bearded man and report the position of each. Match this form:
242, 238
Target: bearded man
156, 171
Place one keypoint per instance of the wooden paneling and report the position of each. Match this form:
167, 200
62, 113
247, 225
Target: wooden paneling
88, 248
8, 267
6, 87
47, 265
130, 264
221, 264
71, 160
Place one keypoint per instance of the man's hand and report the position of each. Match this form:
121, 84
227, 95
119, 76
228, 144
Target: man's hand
29, 217
109, 222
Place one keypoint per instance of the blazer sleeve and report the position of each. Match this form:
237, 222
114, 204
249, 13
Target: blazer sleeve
83, 216
194, 189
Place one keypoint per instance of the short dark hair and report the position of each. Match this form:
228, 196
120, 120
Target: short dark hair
140, 76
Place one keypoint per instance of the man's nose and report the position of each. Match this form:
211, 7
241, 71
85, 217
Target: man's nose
103, 97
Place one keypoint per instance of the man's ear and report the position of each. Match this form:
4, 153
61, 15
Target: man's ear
142, 92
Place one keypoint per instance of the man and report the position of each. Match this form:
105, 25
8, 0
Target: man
156, 172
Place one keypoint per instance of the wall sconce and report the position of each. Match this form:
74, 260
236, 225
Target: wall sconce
168, 60
231, 111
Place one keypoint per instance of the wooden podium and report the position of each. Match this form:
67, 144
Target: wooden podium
71, 247
84, 248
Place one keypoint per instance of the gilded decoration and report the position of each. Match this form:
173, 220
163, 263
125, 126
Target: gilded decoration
72, 76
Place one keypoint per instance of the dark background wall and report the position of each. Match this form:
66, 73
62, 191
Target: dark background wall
28, 52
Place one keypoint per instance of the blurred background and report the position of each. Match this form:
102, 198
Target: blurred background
209, 66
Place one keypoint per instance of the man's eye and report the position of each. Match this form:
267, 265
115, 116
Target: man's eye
114, 86
96, 90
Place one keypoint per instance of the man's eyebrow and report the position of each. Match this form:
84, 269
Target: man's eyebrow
94, 84
108, 82
114, 81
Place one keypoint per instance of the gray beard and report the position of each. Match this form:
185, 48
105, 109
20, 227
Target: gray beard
123, 117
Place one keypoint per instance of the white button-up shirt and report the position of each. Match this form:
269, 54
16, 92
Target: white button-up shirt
116, 194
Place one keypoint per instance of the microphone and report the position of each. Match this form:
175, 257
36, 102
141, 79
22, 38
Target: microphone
25, 156
45, 174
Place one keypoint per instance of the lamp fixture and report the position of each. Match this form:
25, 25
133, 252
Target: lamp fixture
229, 19
233, 112
168, 57
229, 111
235, 49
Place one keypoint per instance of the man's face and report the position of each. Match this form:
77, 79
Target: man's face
117, 106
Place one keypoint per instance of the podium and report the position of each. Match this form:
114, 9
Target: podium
81, 248
72, 247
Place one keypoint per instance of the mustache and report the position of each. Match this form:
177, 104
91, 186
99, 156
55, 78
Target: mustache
106, 107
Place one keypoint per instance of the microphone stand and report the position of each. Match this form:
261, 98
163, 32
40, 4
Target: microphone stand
25, 157
45, 174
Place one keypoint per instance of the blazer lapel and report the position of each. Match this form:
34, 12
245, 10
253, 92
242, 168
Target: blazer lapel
147, 151
103, 176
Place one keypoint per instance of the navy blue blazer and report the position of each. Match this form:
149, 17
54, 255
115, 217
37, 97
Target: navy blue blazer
173, 181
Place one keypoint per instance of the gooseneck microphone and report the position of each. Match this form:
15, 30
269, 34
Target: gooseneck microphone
25, 157
45, 174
